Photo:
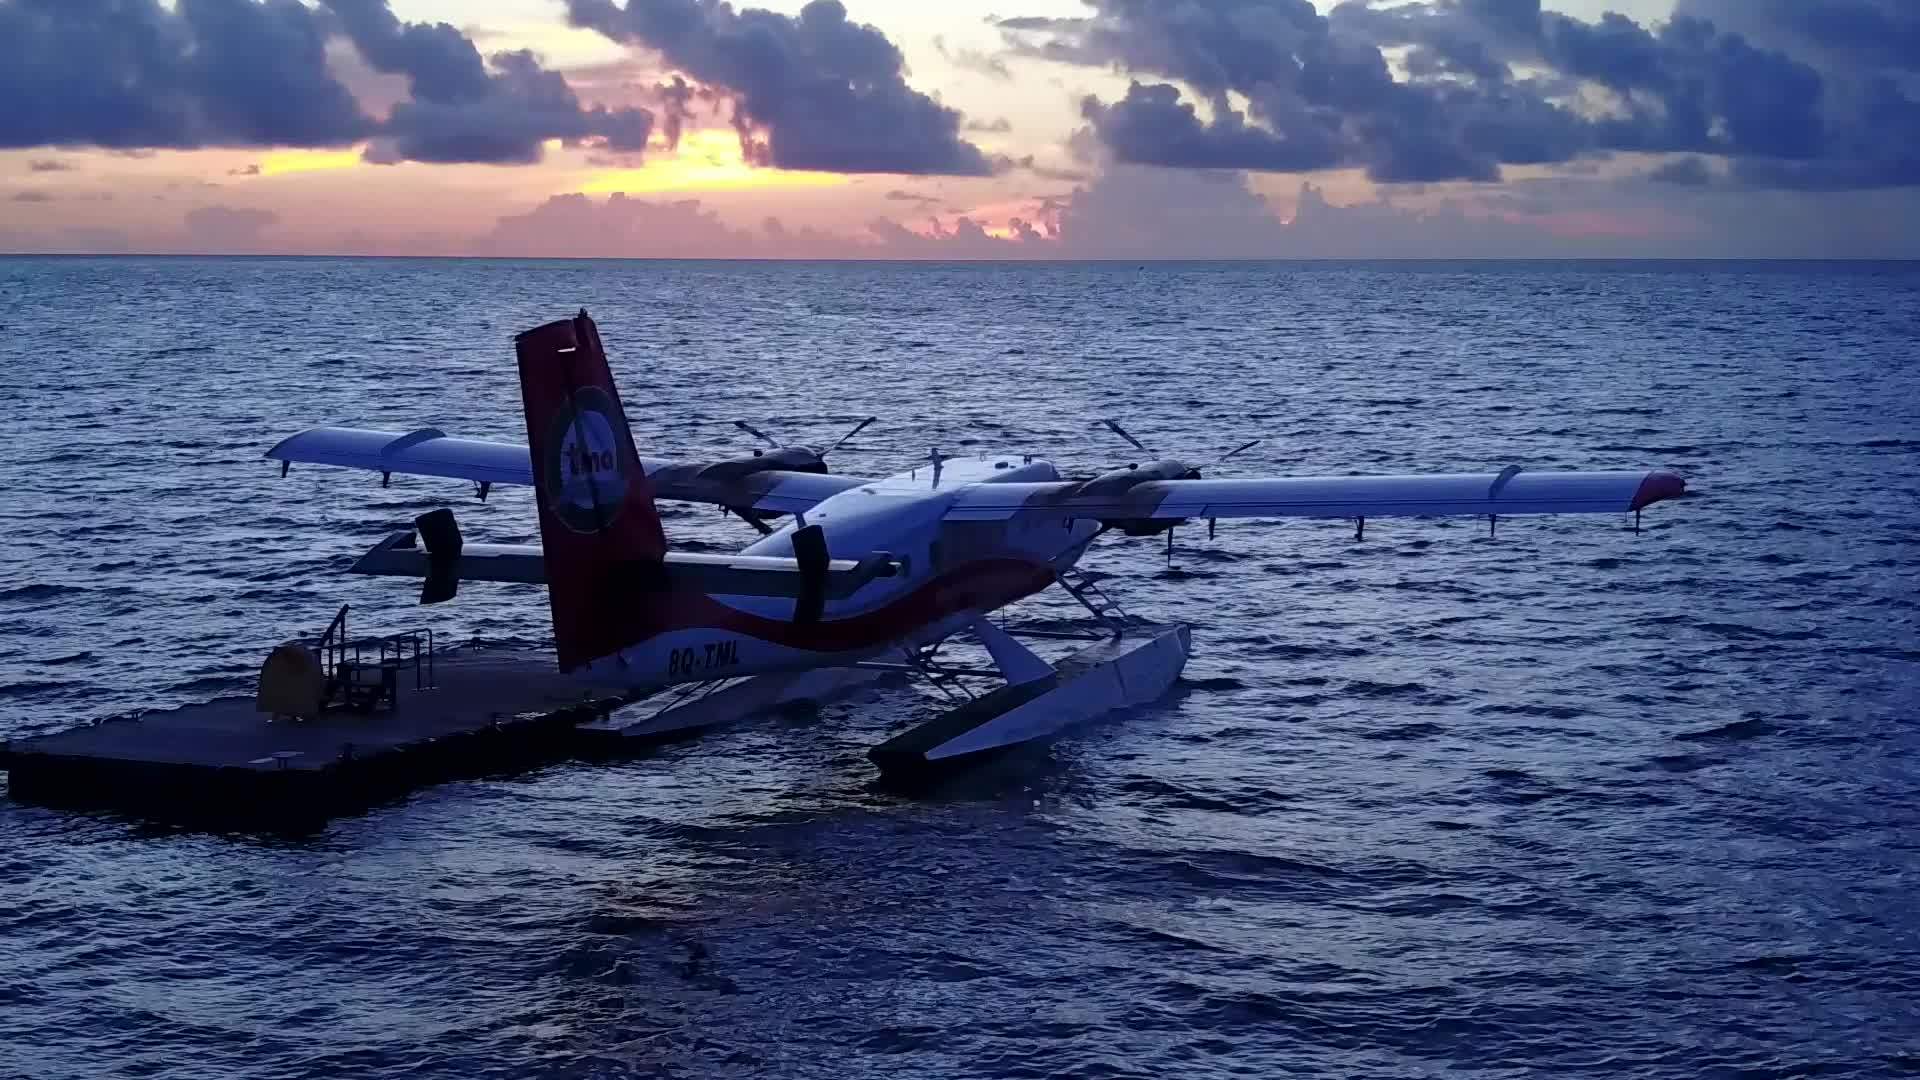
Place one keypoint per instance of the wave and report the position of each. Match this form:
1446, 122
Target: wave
1367, 688
1403, 732
29, 687
1734, 731
1216, 683
39, 591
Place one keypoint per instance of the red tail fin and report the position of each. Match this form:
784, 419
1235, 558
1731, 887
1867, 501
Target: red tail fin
598, 528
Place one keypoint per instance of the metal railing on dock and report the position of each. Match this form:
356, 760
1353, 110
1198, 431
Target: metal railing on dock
332, 645
347, 663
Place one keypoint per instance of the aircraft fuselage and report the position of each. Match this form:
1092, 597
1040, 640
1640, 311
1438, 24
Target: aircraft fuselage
953, 572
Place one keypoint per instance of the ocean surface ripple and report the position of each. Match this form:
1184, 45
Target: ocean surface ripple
1565, 801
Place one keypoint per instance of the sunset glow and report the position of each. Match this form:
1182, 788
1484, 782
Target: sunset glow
706, 160
281, 162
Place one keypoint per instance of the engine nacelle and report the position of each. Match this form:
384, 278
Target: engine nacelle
1120, 481
784, 459
727, 474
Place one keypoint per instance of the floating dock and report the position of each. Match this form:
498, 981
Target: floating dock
231, 763
226, 761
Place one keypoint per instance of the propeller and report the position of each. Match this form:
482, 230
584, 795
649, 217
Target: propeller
1119, 481
805, 458
1190, 472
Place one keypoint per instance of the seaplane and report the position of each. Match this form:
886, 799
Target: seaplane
864, 575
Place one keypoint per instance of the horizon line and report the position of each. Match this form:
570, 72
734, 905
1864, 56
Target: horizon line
979, 261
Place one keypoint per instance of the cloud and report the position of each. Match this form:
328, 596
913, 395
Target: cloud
1790, 90
226, 228
250, 170
966, 238
578, 226
813, 91
1128, 212
1865, 52
974, 60
1685, 171
462, 110
441, 63
1048, 172
1316, 99
1136, 213
1152, 126
134, 75
526, 106
1871, 33
1040, 23
621, 226
46, 165
1818, 97
1211, 45
999, 125
676, 99
32, 196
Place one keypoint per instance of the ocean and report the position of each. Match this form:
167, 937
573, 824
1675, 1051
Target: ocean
1564, 801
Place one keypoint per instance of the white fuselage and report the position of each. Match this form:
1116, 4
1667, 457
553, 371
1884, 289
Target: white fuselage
952, 573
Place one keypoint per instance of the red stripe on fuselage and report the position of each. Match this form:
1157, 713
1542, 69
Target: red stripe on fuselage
982, 585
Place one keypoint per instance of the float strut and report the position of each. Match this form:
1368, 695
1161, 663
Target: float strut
1212, 524
1636, 523
1359, 528
1493, 524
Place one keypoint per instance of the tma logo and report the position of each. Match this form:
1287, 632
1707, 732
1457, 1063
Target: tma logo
586, 477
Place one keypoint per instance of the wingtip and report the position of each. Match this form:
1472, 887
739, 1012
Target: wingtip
1658, 487
278, 451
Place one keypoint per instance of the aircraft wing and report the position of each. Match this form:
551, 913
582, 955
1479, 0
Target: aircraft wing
432, 452
1509, 492
425, 452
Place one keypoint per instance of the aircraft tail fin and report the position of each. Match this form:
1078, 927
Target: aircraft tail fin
599, 530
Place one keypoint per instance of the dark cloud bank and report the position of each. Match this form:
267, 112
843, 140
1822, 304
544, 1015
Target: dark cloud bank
813, 91
1808, 94
1812, 94
1778, 97
131, 74
829, 93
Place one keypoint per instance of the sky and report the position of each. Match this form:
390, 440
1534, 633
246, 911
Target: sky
1122, 129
